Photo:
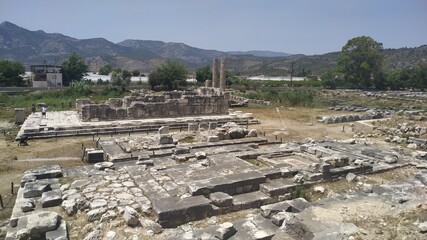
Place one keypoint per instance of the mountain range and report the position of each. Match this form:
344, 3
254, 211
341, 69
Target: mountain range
39, 47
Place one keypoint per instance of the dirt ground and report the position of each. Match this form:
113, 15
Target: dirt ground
288, 124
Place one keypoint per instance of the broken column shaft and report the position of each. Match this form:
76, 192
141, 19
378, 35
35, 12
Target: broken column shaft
215, 77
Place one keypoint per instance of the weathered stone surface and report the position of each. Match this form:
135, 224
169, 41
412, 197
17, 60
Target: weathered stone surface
94, 235
221, 199
173, 211
131, 216
98, 203
79, 183
27, 204
268, 211
319, 189
350, 177
103, 165
43, 172
35, 189
164, 130
213, 139
225, 231
41, 222
252, 133
58, 234
181, 150
200, 155
165, 139
95, 214
151, 225
367, 188
51, 198
29, 177
278, 218
69, 206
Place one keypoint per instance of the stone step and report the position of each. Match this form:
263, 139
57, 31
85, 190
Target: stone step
250, 200
277, 187
343, 171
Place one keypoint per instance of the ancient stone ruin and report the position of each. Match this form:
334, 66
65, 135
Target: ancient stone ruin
204, 101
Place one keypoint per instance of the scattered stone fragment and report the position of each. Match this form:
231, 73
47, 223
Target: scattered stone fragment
98, 203
27, 204
423, 227
252, 133
69, 206
104, 165
367, 188
165, 139
319, 189
278, 218
131, 216
110, 235
153, 226
200, 155
94, 235
225, 231
95, 214
412, 146
350, 177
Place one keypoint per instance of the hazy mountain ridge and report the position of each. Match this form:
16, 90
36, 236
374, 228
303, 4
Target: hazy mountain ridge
37, 47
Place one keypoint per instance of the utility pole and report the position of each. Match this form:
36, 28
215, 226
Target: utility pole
292, 71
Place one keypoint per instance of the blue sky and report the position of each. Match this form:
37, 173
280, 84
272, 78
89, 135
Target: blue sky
292, 26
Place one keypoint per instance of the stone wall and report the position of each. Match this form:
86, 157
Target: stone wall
204, 101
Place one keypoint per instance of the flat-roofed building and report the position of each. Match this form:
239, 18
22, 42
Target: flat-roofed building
45, 76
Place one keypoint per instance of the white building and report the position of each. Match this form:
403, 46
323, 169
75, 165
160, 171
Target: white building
45, 76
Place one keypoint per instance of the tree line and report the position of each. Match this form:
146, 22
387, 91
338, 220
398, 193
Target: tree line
360, 65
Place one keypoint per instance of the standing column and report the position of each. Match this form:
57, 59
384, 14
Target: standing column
215, 79
222, 76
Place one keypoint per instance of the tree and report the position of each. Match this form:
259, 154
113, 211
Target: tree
361, 62
105, 70
73, 68
10, 74
203, 74
136, 73
168, 76
121, 78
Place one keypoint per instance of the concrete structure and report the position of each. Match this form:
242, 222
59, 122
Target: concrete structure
44, 76
215, 77
222, 76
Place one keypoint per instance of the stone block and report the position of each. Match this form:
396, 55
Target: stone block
165, 139
203, 126
94, 156
58, 234
193, 127
213, 139
221, 199
225, 231
172, 212
164, 130
40, 223
27, 204
131, 216
36, 189
103, 165
43, 172
213, 125
181, 150
268, 211
51, 198
20, 115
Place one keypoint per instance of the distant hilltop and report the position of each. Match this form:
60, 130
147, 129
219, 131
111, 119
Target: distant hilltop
39, 47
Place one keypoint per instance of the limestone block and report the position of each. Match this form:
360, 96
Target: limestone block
20, 115
213, 139
35, 189
41, 222
225, 231
27, 204
164, 130
213, 125
200, 155
103, 165
58, 234
94, 156
221, 199
203, 126
70, 206
193, 127
252, 133
268, 211
165, 139
181, 150
51, 198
